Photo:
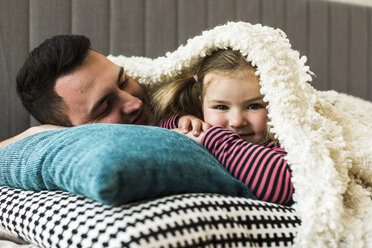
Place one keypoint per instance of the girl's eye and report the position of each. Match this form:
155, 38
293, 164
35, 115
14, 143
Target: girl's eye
255, 106
221, 107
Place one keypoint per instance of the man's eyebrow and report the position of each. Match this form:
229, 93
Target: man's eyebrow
120, 74
103, 99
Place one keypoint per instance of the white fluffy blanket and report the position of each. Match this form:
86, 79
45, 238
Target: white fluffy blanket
328, 135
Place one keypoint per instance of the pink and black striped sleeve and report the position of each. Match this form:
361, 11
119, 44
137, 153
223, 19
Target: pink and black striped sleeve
170, 123
261, 167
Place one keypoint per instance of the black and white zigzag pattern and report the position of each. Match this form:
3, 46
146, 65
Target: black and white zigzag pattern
61, 219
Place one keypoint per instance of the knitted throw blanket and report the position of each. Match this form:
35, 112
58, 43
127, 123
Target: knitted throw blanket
328, 135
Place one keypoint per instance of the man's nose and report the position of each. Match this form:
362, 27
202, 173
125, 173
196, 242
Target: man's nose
130, 103
237, 119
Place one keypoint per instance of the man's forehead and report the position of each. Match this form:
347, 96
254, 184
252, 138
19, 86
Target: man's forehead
72, 89
94, 67
75, 88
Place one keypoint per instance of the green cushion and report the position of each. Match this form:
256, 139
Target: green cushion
115, 164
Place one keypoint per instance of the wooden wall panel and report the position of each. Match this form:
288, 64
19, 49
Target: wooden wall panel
339, 47
273, 13
13, 51
357, 50
160, 27
92, 18
318, 42
48, 18
192, 19
127, 24
220, 11
248, 11
296, 24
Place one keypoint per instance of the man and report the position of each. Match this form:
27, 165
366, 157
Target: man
65, 83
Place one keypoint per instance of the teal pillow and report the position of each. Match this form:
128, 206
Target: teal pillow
115, 164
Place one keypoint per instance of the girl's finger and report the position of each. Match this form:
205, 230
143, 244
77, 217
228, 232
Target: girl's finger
196, 125
205, 126
185, 125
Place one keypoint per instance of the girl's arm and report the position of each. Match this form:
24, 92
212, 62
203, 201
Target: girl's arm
170, 123
261, 167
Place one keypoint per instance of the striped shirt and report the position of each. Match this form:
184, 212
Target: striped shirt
261, 167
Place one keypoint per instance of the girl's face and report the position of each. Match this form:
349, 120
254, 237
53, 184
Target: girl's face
234, 102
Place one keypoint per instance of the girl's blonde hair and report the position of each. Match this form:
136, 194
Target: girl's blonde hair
184, 95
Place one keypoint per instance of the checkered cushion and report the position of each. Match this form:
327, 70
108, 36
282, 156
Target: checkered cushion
61, 219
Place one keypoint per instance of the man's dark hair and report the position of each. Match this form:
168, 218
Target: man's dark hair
36, 79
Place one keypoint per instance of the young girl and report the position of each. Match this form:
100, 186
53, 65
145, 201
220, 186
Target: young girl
224, 108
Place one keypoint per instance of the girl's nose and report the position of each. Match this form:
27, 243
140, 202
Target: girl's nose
237, 120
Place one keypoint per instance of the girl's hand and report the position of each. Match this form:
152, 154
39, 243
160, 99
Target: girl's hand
188, 123
190, 135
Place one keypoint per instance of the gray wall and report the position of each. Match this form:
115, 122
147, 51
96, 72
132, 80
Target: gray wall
337, 38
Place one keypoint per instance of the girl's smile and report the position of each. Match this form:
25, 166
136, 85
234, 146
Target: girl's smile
234, 101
